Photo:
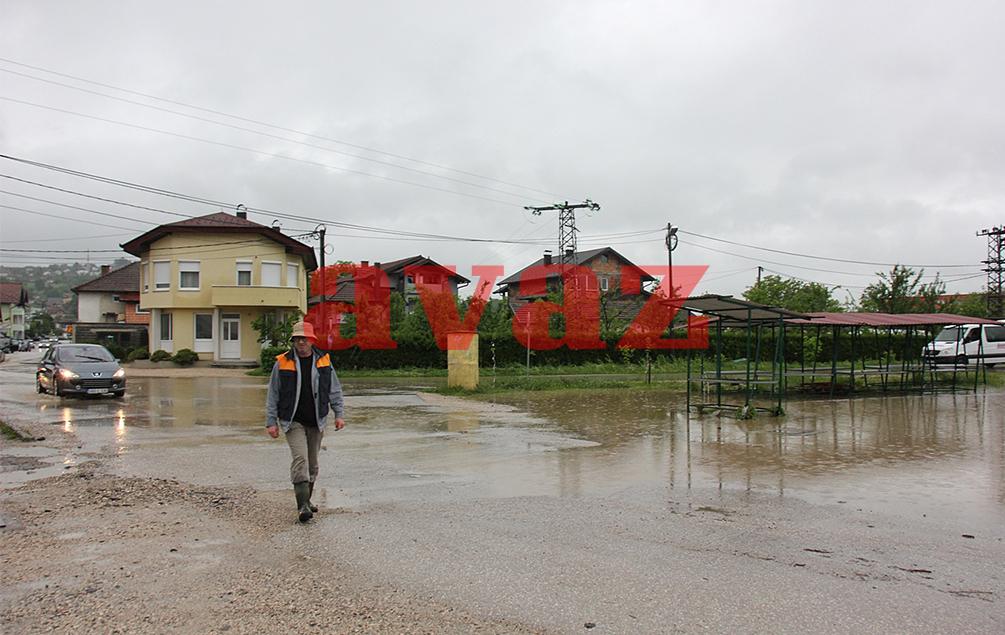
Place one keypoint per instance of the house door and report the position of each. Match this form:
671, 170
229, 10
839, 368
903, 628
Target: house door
230, 336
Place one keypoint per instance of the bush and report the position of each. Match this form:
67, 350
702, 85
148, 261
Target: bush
160, 356
117, 351
268, 356
138, 353
185, 357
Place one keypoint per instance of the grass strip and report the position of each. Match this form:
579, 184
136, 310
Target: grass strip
12, 434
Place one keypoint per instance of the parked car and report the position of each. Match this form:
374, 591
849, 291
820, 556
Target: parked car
80, 369
969, 343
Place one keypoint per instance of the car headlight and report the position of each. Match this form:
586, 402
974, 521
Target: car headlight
66, 373
119, 374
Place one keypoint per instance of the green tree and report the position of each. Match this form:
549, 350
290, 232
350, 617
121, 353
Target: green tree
972, 304
41, 324
274, 330
794, 295
901, 291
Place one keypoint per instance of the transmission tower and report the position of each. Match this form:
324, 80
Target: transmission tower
996, 251
566, 225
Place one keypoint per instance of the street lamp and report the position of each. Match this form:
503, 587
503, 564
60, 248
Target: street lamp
671, 242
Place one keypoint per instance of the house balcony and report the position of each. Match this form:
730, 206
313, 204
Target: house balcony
233, 295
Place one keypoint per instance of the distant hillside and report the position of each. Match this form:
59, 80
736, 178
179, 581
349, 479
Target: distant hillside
49, 286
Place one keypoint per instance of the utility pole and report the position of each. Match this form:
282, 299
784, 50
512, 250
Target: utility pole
566, 225
319, 232
996, 252
671, 242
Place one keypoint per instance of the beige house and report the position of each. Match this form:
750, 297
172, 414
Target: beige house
205, 280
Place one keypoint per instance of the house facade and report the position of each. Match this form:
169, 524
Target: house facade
108, 308
13, 310
401, 276
608, 268
204, 280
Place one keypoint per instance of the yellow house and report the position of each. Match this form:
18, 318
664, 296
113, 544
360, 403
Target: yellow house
205, 280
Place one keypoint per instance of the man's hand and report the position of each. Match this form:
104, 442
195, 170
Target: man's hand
339, 423
273, 431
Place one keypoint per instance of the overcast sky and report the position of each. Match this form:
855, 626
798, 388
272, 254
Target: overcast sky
865, 131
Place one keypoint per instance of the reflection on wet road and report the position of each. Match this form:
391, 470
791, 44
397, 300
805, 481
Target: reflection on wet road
942, 453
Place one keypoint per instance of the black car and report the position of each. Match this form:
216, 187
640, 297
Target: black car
80, 369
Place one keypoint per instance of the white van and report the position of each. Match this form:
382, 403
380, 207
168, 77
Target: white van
968, 343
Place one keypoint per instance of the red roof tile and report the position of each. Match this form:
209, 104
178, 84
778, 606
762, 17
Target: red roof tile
123, 280
13, 293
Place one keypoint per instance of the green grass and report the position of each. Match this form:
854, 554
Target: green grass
593, 385
12, 434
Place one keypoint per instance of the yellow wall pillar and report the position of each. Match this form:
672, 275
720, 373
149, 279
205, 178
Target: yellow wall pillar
462, 360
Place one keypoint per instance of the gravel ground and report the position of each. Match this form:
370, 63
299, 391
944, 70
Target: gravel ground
88, 551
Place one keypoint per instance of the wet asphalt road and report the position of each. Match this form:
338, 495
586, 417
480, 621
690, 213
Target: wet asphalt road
618, 511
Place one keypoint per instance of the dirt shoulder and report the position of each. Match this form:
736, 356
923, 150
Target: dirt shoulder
88, 551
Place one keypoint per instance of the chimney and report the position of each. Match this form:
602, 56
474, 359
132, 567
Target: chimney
105, 269
569, 254
364, 263
547, 256
376, 265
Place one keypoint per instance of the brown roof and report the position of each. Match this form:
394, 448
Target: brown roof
13, 293
578, 258
220, 223
345, 288
888, 319
122, 280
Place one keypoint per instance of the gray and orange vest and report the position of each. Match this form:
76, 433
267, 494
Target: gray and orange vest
288, 394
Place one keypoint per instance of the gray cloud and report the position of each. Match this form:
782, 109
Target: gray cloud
852, 130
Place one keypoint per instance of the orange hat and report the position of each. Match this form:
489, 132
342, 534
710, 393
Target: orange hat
304, 329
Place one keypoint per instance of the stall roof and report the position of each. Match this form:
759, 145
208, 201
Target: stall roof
733, 311
886, 319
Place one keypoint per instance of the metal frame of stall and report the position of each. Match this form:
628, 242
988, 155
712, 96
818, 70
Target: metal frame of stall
912, 373
728, 312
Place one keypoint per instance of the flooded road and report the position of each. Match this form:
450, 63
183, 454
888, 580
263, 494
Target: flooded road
531, 506
941, 455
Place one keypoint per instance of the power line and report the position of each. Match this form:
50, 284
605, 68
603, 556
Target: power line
263, 211
259, 122
233, 146
792, 253
271, 136
783, 264
82, 209
75, 220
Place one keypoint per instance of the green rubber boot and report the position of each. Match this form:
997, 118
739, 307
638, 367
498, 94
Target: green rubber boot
314, 508
303, 493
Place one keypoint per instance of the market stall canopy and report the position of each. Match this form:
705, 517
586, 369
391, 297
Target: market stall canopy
886, 319
733, 311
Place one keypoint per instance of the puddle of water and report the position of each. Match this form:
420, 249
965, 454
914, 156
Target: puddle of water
941, 455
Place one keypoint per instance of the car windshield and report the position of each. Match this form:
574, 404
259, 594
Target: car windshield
84, 354
948, 334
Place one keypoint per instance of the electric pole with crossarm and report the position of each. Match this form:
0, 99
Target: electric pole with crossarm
566, 225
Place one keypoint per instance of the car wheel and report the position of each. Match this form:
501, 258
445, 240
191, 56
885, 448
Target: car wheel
961, 360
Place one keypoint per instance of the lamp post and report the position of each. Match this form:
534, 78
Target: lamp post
671, 242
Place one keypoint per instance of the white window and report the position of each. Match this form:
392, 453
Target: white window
162, 275
203, 333
603, 283
243, 273
188, 275
270, 273
292, 275
166, 332
145, 276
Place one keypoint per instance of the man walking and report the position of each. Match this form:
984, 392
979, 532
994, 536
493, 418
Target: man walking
303, 390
